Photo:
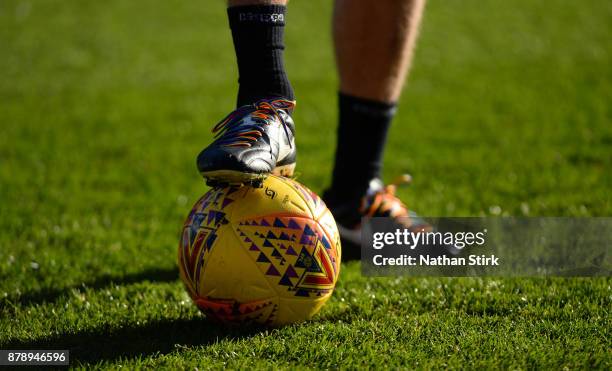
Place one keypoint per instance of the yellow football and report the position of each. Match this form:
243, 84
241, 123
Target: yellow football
269, 255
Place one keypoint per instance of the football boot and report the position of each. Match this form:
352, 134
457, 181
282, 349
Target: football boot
378, 201
250, 143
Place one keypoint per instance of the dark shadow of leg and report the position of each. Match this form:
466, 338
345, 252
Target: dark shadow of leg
50, 295
165, 336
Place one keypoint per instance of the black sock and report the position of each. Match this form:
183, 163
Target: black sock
257, 31
362, 134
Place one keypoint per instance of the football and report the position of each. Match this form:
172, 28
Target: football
269, 255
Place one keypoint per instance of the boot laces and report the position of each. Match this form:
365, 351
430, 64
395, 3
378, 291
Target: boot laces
384, 202
231, 133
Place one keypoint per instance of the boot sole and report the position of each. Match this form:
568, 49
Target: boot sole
232, 177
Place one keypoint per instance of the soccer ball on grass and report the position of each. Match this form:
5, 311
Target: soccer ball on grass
269, 255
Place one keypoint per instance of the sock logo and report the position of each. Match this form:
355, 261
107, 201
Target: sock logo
262, 18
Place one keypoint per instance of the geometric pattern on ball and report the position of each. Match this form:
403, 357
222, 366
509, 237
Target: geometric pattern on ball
269, 255
292, 252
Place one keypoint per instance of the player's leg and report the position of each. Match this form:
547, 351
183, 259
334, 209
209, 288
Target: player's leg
257, 31
374, 44
258, 137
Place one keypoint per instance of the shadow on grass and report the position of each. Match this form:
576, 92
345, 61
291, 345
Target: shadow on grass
162, 337
51, 295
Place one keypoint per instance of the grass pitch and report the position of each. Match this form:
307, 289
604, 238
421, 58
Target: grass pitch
104, 105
